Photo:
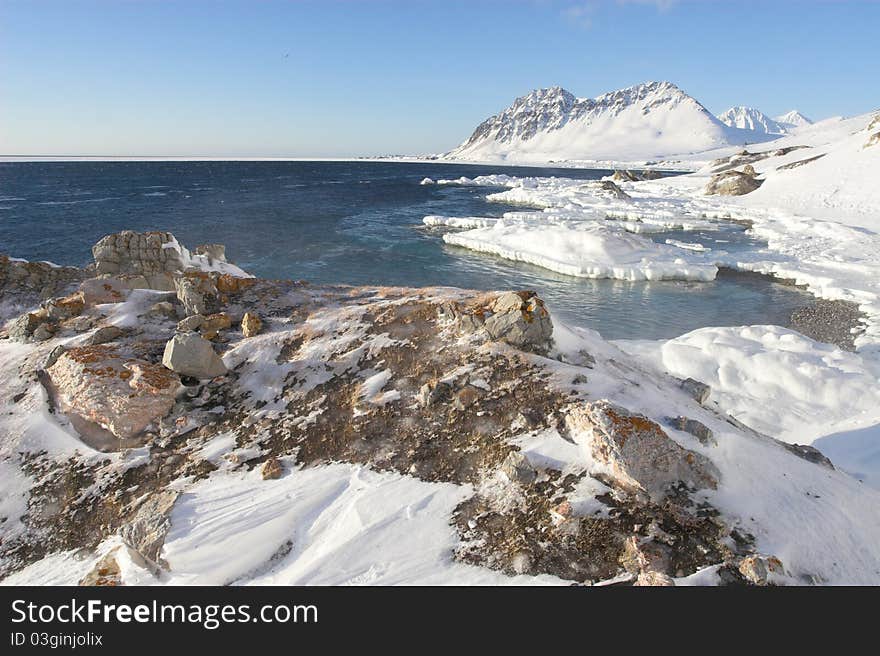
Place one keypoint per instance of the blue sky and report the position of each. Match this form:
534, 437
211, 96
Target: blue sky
336, 78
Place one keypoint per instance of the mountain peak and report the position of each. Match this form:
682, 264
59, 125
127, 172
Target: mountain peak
646, 120
749, 118
794, 119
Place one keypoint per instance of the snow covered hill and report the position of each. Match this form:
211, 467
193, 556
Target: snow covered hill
646, 121
749, 118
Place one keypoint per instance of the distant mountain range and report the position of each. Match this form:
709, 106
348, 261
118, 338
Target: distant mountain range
749, 118
647, 121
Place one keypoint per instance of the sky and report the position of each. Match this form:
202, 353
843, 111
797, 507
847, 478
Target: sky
337, 78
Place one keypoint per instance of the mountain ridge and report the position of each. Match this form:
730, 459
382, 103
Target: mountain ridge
643, 121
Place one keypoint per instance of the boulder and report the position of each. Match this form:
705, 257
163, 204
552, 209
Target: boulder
520, 319
190, 323
22, 328
761, 570
100, 385
698, 391
732, 183
271, 469
694, 427
106, 334
639, 455
213, 323
251, 324
147, 530
190, 354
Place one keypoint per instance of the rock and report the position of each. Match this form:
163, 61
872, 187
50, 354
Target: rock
732, 183
106, 334
146, 532
22, 328
518, 468
761, 570
212, 251
198, 293
606, 188
430, 393
123, 395
642, 555
654, 579
639, 455
696, 390
97, 291
33, 281
271, 469
43, 332
190, 323
520, 319
213, 323
143, 253
749, 170
60, 309
251, 324
105, 572
162, 309
53, 356
694, 427
809, 453
189, 354
468, 396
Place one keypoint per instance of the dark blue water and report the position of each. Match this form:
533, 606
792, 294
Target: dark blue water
346, 222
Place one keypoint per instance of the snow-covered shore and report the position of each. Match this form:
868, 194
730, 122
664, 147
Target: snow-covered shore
817, 212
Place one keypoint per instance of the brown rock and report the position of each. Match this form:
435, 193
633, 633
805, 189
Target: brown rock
271, 469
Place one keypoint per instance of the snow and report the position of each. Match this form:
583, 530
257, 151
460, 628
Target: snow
647, 121
773, 379
748, 118
586, 250
336, 524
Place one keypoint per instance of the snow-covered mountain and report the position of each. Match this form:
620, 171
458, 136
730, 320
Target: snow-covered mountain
793, 119
749, 118
646, 121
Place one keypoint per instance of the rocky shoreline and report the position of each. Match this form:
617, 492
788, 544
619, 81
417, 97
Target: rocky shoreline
155, 353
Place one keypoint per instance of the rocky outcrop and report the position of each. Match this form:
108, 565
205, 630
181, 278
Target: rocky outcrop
117, 392
189, 354
35, 279
733, 183
639, 454
153, 255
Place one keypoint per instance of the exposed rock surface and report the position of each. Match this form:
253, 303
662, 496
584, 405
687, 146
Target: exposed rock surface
641, 457
116, 391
